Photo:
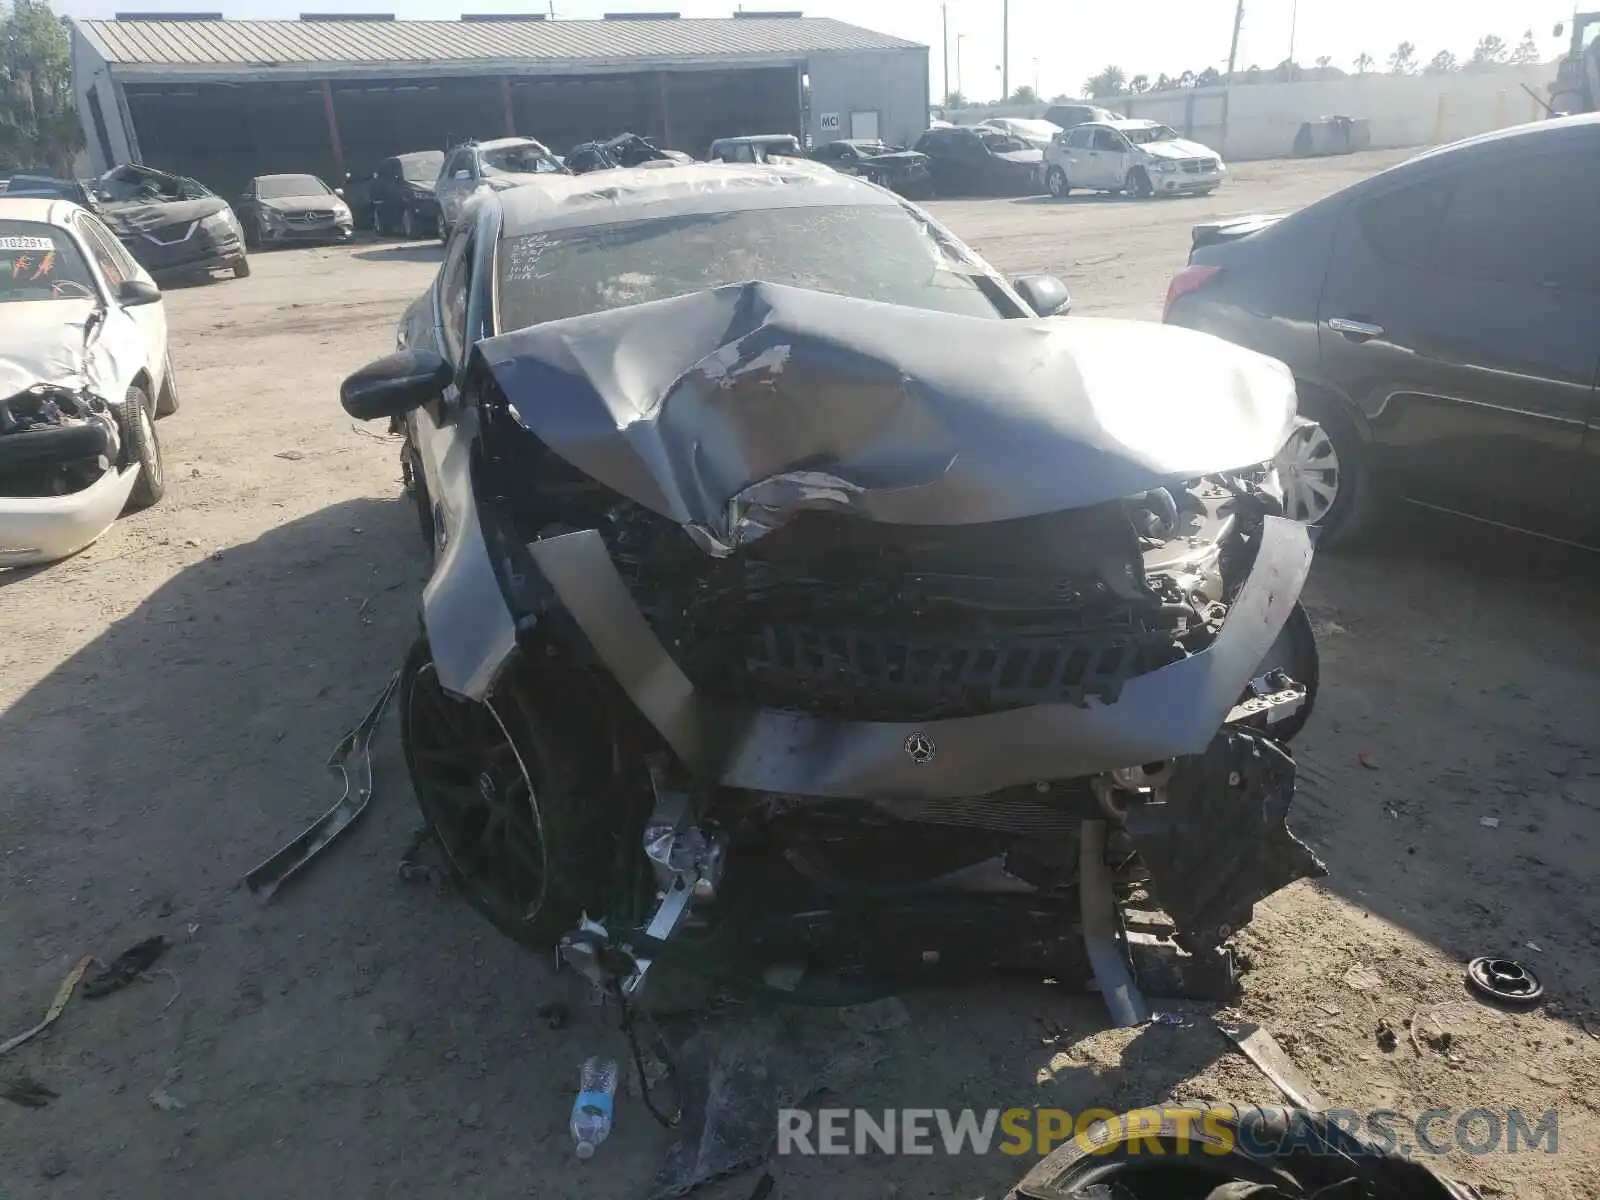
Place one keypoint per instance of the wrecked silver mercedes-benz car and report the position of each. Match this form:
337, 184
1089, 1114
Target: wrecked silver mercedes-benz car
802, 585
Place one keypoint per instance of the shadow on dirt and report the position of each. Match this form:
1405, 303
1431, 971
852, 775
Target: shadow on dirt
1451, 774
420, 252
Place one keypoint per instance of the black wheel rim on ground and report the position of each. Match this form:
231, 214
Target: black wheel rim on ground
478, 797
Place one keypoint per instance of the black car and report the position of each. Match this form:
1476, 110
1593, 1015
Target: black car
402, 195
174, 226
967, 161
1442, 319
278, 209
624, 150
894, 167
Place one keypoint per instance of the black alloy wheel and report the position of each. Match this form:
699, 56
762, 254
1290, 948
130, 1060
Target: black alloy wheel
501, 787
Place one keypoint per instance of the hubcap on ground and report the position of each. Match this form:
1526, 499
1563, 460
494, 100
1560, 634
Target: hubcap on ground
476, 792
1308, 469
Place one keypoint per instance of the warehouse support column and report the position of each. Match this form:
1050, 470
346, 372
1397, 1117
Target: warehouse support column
665, 106
506, 106
333, 129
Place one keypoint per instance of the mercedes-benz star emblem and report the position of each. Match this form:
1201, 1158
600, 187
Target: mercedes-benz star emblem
920, 747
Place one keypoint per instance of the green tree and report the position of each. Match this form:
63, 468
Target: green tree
1024, 95
1527, 50
1324, 61
1441, 63
1210, 77
1404, 59
955, 100
1139, 84
1112, 81
38, 122
1363, 63
1490, 51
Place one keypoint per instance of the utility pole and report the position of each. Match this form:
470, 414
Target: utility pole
1294, 17
1227, 84
1233, 50
944, 13
1005, 49
960, 37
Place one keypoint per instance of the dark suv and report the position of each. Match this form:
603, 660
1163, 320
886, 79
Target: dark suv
1068, 115
1442, 319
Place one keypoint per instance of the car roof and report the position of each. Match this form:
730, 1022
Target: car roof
756, 139
502, 143
1553, 129
40, 209
291, 175
631, 193
1129, 123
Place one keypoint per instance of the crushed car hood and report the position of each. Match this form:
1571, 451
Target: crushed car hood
1023, 158
1177, 149
731, 409
135, 216
42, 341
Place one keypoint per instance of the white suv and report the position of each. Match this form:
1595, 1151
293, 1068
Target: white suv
1143, 158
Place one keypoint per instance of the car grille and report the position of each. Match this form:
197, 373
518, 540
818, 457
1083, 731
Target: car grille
841, 618
309, 218
1197, 166
171, 235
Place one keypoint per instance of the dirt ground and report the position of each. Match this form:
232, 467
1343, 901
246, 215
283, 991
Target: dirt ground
170, 695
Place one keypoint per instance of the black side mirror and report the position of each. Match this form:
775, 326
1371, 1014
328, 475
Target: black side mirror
133, 292
1045, 294
395, 384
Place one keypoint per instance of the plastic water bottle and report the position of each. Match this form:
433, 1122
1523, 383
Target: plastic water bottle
591, 1111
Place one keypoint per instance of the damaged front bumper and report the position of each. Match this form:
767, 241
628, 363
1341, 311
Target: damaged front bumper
60, 485
1167, 713
42, 529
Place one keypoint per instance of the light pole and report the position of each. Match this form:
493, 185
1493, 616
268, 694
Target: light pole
960, 37
1005, 50
1294, 17
944, 16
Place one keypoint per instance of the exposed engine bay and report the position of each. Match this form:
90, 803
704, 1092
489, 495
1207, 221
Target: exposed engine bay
881, 642
55, 441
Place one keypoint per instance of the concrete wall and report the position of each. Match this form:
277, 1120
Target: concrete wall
892, 83
1404, 110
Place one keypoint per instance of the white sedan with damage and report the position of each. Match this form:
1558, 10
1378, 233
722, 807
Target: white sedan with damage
84, 373
1141, 158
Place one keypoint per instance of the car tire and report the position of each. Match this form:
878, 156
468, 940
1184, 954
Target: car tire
541, 748
143, 447
409, 229
241, 267
1353, 512
167, 398
1055, 182
1138, 184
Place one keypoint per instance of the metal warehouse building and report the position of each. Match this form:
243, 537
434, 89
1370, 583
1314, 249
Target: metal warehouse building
226, 100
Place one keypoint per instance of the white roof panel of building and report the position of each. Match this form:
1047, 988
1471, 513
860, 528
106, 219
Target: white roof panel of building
213, 44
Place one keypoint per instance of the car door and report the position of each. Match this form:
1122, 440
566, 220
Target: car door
1092, 167
456, 182
1071, 150
387, 194
1111, 155
434, 427
131, 337
1461, 313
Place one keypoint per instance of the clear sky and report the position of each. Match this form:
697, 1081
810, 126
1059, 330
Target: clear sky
1056, 43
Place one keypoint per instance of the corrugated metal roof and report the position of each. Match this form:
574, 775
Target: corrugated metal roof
343, 43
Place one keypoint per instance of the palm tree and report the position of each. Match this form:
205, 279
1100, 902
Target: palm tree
1404, 59
1363, 63
1441, 63
1112, 81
